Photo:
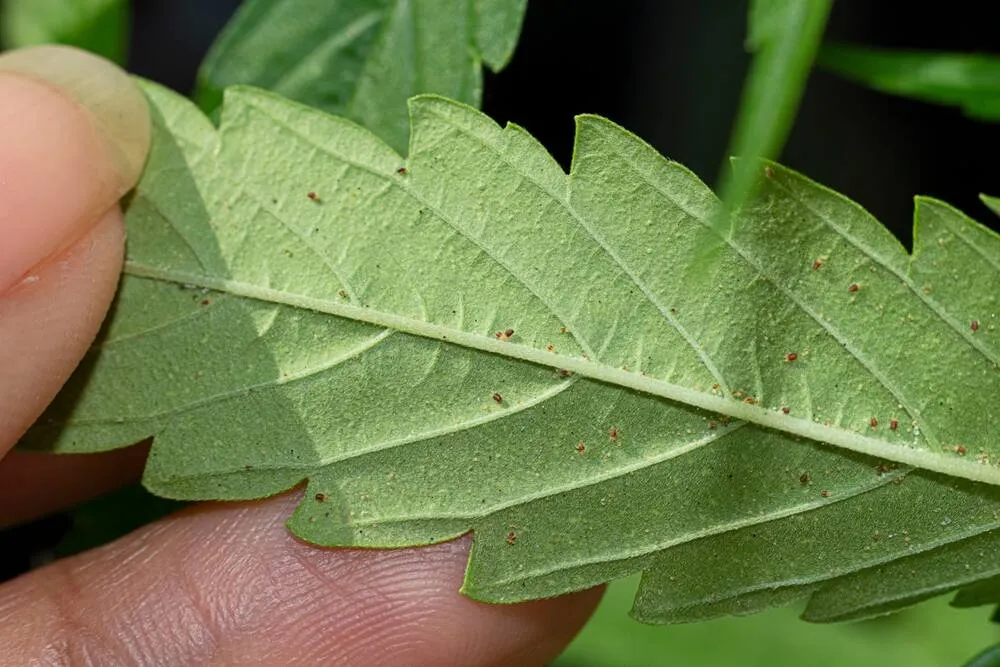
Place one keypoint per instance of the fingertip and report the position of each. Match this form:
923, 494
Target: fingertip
75, 132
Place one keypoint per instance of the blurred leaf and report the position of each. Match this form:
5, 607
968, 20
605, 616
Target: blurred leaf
783, 35
99, 26
967, 80
300, 302
928, 635
363, 58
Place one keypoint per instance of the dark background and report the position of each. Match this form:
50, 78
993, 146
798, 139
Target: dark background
671, 71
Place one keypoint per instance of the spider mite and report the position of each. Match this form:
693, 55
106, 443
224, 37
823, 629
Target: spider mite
504, 335
511, 537
313, 196
873, 422
960, 450
613, 434
791, 356
786, 409
497, 397
402, 171
580, 447
769, 171
320, 497
804, 479
853, 287
825, 494
974, 325
817, 264
893, 424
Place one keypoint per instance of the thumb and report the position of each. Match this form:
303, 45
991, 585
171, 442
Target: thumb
74, 132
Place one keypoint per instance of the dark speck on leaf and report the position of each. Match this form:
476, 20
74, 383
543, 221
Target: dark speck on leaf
320, 497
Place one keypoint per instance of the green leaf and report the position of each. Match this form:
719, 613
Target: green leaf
301, 303
783, 35
99, 26
967, 80
363, 58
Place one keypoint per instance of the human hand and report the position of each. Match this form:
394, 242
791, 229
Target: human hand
220, 583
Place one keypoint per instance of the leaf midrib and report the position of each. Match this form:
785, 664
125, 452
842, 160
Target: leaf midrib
585, 367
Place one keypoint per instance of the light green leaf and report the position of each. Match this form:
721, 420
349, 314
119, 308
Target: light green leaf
363, 58
99, 26
967, 80
301, 303
783, 35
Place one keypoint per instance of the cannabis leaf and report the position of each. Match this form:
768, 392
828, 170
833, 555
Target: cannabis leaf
968, 80
363, 59
468, 339
100, 26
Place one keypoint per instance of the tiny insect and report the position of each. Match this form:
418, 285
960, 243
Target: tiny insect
711, 426
817, 264
804, 479
974, 325
786, 409
313, 196
769, 171
504, 335
791, 356
580, 447
893, 424
497, 397
825, 494
563, 373
511, 537
550, 348
873, 422
853, 287
960, 450
402, 171
320, 497
613, 434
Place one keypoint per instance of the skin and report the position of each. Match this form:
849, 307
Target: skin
219, 583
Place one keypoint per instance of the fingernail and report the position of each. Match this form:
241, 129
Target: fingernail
115, 104
74, 133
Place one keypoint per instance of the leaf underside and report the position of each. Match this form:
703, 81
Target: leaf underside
741, 425
363, 58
